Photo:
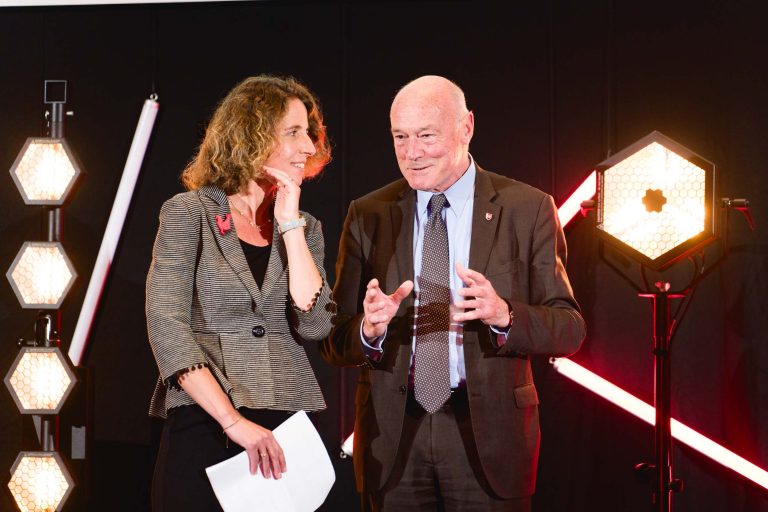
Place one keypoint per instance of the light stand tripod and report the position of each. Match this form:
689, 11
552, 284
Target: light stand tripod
664, 483
664, 328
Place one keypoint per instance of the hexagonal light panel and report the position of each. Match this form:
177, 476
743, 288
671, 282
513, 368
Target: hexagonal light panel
41, 275
40, 482
45, 170
655, 201
40, 380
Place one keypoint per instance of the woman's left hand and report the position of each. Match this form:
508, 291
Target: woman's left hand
288, 194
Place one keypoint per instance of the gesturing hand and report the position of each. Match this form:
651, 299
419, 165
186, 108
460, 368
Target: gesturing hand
481, 301
263, 450
379, 307
288, 194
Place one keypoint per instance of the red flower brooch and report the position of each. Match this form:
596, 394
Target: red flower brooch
224, 224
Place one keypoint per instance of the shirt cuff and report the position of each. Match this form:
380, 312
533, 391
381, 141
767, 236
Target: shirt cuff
500, 335
372, 349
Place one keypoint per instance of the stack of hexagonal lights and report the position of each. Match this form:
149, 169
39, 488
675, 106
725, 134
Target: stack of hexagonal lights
655, 201
40, 378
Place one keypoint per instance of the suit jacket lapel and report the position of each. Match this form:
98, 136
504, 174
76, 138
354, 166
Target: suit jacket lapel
485, 219
215, 203
402, 213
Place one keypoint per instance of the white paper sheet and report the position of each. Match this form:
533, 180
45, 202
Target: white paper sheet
303, 488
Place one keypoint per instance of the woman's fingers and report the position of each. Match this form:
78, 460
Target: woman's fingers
281, 460
273, 461
277, 176
266, 468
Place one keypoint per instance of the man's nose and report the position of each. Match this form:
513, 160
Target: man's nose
412, 149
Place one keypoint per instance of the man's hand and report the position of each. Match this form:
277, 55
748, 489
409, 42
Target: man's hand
379, 308
481, 302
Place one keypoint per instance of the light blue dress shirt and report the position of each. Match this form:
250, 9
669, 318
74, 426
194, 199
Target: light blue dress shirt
458, 222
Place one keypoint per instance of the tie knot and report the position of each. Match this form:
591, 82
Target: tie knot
436, 204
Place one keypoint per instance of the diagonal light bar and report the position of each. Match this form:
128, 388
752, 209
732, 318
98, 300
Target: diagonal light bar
346, 446
572, 205
646, 412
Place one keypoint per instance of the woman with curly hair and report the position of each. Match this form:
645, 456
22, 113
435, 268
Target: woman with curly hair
235, 287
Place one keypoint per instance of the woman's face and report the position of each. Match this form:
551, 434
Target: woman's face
293, 146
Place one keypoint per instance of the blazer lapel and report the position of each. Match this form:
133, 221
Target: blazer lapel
401, 213
278, 262
215, 203
485, 219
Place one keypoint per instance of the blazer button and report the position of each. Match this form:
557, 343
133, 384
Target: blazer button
258, 331
403, 390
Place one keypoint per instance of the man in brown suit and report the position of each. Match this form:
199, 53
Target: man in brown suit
447, 412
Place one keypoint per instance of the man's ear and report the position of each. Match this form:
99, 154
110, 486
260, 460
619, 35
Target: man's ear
468, 127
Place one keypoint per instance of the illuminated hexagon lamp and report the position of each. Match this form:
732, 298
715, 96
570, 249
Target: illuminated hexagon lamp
655, 201
40, 380
45, 171
40, 482
41, 275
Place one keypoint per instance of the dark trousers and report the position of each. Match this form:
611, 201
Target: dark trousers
191, 441
437, 467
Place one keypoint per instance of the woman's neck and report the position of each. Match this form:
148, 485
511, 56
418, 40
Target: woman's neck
257, 196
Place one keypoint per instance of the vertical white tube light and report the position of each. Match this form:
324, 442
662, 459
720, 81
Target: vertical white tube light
114, 228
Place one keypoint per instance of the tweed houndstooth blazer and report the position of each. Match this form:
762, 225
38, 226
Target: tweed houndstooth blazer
203, 306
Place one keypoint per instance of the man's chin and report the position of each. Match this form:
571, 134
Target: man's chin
417, 182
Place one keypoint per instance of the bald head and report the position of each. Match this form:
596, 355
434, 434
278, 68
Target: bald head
431, 129
436, 91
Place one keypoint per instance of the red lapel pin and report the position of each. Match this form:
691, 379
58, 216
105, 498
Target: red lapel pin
224, 225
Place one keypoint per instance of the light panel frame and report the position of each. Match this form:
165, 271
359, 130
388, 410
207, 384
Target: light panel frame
682, 249
15, 285
64, 364
71, 157
62, 468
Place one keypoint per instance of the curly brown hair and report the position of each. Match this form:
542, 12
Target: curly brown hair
242, 134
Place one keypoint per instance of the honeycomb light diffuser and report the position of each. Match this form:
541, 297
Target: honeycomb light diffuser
40, 482
41, 275
45, 171
40, 380
655, 201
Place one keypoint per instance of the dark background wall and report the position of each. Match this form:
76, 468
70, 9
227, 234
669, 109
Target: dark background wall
555, 87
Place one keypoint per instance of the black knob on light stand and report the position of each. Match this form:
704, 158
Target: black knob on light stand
676, 485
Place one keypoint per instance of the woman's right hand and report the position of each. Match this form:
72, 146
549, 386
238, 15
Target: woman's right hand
261, 446
288, 194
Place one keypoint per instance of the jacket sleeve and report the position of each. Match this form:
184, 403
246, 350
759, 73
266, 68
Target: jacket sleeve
343, 347
315, 324
170, 288
551, 323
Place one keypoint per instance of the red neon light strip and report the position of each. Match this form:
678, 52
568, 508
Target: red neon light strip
647, 413
572, 205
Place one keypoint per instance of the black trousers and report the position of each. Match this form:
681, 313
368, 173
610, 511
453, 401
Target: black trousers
191, 441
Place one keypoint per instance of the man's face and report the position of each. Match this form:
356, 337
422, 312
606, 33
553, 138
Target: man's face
431, 141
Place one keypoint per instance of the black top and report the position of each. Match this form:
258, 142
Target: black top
258, 259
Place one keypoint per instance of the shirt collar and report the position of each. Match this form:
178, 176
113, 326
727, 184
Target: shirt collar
457, 194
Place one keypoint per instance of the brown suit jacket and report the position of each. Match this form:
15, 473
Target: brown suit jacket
518, 244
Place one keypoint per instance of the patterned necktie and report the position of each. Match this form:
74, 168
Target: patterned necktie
431, 380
